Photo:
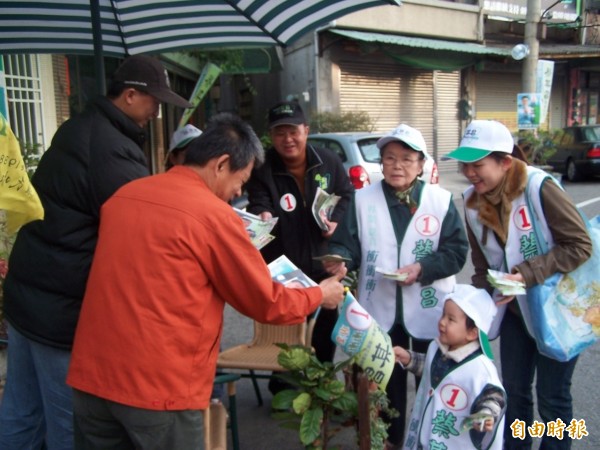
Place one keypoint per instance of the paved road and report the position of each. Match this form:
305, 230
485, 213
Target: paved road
259, 432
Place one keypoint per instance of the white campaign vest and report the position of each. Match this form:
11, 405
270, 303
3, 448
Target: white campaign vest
421, 305
438, 412
520, 243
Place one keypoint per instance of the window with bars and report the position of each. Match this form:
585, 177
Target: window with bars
24, 94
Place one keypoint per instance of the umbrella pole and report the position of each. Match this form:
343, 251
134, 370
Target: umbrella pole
98, 53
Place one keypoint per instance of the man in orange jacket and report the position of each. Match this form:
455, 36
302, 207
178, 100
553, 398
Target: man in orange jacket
171, 252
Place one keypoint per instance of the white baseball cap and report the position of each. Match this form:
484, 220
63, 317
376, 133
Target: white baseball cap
479, 306
481, 138
183, 136
404, 133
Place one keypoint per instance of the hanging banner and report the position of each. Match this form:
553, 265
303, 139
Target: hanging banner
357, 334
209, 75
17, 195
545, 72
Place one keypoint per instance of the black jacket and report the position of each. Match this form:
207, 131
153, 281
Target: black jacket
90, 157
272, 188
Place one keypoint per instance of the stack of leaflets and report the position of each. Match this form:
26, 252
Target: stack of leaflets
323, 206
391, 275
506, 287
287, 273
476, 421
258, 229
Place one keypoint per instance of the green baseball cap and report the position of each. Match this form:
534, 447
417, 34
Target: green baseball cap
481, 138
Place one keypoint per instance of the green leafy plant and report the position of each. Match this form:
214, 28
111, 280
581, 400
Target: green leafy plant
379, 403
266, 142
539, 145
230, 61
328, 122
321, 405
31, 156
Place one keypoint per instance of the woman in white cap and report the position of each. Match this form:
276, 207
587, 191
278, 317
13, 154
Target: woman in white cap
411, 229
500, 233
180, 141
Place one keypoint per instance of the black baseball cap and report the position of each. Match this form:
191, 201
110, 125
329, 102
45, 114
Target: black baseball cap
286, 113
147, 74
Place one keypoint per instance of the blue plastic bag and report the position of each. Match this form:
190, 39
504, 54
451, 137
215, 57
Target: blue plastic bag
565, 309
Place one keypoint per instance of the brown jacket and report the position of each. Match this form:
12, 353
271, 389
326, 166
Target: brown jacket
572, 244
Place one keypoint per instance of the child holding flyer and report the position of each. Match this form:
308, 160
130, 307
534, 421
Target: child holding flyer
460, 403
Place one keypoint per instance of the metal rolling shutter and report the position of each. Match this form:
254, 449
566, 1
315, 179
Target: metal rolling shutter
447, 95
416, 106
394, 94
391, 94
497, 99
371, 88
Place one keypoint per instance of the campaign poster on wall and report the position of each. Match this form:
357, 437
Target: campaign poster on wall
528, 111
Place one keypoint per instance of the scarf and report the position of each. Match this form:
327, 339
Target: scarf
405, 197
459, 354
495, 206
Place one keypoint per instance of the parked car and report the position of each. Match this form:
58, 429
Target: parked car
577, 152
360, 155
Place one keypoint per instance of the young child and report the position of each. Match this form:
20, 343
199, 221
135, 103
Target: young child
460, 403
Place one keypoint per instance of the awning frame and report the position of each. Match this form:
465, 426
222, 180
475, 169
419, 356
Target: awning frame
425, 52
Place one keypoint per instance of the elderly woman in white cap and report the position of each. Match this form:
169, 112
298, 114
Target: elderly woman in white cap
411, 229
180, 141
499, 228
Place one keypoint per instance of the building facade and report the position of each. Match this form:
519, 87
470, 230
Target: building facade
437, 64
434, 64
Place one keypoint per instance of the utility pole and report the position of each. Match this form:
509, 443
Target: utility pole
532, 21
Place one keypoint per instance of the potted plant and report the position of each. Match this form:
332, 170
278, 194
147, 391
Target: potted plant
539, 145
321, 404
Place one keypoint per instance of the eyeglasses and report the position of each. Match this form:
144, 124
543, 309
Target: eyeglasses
391, 161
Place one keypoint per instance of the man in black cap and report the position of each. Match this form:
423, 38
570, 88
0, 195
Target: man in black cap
90, 157
285, 187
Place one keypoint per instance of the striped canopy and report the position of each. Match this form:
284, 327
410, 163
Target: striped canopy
153, 26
